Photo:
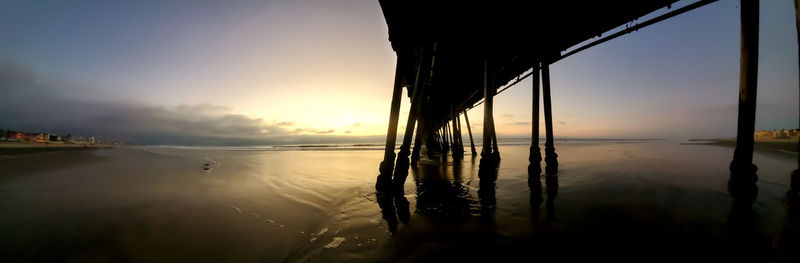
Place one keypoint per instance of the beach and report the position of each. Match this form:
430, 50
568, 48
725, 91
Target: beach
629, 200
25, 149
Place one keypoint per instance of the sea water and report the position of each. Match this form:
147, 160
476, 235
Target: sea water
612, 199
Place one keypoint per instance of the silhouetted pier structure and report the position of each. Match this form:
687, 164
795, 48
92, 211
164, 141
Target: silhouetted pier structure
452, 57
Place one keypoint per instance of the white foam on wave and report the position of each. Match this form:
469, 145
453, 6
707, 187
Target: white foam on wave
323, 231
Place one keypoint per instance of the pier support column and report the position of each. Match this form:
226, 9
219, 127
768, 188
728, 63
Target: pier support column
423, 74
458, 151
496, 149
451, 134
742, 183
469, 130
418, 142
446, 138
550, 158
459, 139
487, 154
535, 157
793, 195
786, 241
387, 165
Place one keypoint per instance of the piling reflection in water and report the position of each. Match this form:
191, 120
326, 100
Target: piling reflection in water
441, 194
483, 212
536, 198
787, 241
393, 207
487, 192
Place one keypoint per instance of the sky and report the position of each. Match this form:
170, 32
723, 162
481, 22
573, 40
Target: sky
273, 72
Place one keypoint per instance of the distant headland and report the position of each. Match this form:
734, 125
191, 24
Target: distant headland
783, 140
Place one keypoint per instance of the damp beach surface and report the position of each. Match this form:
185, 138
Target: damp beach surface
613, 199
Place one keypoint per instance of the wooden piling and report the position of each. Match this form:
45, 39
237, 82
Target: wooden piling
460, 140
496, 152
786, 242
423, 71
446, 136
387, 165
742, 182
451, 133
418, 142
550, 158
793, 195
535, 156
458, 152
488, 94
469, 130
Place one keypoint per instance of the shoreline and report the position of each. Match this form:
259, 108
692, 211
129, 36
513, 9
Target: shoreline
16, 145
17, 149
785, 146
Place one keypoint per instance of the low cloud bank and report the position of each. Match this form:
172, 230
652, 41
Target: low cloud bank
28, 105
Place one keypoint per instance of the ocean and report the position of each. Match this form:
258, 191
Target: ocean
628, 200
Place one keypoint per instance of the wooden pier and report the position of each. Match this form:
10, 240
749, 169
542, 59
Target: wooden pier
452, 57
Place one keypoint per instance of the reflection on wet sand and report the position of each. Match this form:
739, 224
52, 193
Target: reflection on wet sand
787, 241
441, 193
450, 217
608, 218
536, 199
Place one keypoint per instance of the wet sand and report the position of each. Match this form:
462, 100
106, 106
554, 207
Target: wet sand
787, 146
15, 149
613, 200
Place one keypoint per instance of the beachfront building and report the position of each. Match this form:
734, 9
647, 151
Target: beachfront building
782, 134
42, 137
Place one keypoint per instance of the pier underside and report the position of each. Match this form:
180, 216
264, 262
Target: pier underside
452, 57
508, 36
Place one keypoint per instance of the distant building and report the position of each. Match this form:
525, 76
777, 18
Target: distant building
782, 134
42, 137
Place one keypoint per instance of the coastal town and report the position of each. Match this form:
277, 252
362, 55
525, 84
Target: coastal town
11, 136
777, 135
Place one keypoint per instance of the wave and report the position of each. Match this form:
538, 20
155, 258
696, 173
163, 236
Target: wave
380, 146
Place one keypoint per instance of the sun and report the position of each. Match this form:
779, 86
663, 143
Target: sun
345, 120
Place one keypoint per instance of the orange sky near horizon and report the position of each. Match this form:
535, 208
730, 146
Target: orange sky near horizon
327, 68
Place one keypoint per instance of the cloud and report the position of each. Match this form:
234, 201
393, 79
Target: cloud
508, 115
356, 124
29, 106
348, 132
562, 123
519, 123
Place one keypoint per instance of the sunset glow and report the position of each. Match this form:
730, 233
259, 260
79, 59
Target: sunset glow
331, 73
